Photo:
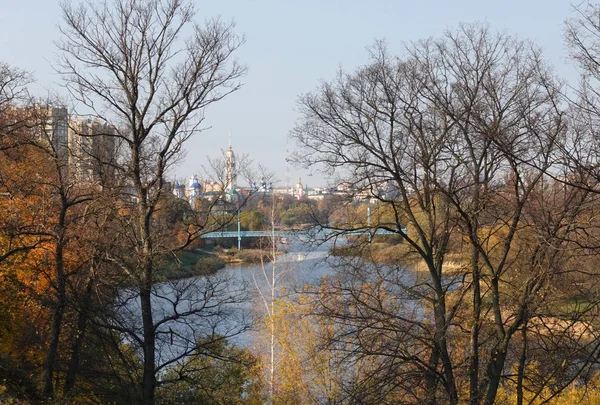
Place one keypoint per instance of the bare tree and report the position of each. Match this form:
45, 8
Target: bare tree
13, 94
375, 131
454, 139
502, 103
125, 62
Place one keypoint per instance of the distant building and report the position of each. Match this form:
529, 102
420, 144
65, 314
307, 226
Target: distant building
179, 190
316, 194
299, 191
262, 186
344, 187
213, 187
54, 124
194, 189
85, 148
91, 150
230, 169
233, 196
282, 191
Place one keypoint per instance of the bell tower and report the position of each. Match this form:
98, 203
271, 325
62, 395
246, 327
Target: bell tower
230, 169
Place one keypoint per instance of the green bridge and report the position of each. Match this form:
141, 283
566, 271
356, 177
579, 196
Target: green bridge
310, 234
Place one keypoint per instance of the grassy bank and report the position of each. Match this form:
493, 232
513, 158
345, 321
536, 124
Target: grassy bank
190, 263
250, 256
195, 262
397, 254
378, 252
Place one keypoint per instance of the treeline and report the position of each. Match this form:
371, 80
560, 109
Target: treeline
288, 212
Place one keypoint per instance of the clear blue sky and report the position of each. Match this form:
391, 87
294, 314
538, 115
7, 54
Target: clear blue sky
291, 45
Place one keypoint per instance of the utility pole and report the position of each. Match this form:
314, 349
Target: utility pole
239, 231
287, 165
369, 221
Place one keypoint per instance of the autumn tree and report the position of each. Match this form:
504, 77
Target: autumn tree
457, 139
354, 125
126, 63
36, 179
14, 237
225, 375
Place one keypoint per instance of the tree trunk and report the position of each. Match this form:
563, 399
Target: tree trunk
439, 310
149, 377
449, 382
495, 367
474, 394
521, 368
53, 346
149, 380
431, 379
79, 337
59, 310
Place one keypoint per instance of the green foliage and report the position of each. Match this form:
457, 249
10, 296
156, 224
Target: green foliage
301, 214
252, 220
191, 263
208, 264
175, 210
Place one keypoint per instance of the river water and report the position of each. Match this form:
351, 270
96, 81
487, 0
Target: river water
301, 264
229, 302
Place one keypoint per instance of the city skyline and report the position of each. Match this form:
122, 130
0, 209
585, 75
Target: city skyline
290, 47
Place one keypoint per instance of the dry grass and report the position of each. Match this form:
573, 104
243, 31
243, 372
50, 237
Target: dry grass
246, 256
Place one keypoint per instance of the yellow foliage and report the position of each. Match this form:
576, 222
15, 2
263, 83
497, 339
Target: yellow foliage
578, 392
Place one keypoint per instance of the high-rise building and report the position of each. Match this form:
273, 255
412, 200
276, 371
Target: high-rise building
54, 124
91, 150
84, 148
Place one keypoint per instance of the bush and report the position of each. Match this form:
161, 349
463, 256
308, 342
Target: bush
191, 263
253, 255
380, 252
207, 265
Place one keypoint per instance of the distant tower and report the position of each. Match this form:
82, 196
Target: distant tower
194, 189
299, 189
178, 190
230, 169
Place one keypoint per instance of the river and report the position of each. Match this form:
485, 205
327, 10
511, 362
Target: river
301, 264
227, 303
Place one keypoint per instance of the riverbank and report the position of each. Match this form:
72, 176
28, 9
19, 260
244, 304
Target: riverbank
198, 262
244, 256
397, 254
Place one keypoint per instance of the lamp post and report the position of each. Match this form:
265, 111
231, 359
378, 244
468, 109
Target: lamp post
239, 230
369, 221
